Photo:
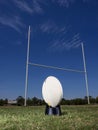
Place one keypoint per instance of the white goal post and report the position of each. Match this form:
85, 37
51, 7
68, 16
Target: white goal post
54, 67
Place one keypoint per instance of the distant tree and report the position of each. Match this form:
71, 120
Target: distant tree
35, 101
63, 102
1, 102
67, 102
72, 102
43, 102
40, 102
20, 101
29, 102
97, 99
92, 100
78, 101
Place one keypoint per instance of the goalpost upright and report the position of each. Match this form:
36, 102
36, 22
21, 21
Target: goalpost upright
27, 63
85, 72
54, 67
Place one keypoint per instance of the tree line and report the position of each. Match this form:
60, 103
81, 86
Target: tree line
37, 102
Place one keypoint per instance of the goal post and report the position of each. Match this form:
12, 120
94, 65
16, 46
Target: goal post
54, 67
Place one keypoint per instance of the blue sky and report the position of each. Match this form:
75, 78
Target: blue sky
58, 27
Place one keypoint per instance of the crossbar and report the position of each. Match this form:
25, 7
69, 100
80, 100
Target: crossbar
57, 68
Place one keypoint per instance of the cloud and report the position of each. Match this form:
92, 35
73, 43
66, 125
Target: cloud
32, 6
37, 6
28, 6
67, 3
23, 5
64, 3
50, 27
74, 42
64, 43
62, 37
12, 21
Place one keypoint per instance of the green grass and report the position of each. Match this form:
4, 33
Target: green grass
33, 118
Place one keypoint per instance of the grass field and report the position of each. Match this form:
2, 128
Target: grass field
33, 118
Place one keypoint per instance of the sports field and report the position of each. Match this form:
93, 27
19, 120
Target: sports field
33, 118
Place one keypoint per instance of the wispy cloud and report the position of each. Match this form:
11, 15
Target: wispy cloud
66, 43
33, 6
37, 8
12, 21
62, 37
50, 27
74, 42
67, 3
64, 3
23, 5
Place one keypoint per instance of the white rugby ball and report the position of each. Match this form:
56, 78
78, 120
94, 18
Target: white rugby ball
52, 91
